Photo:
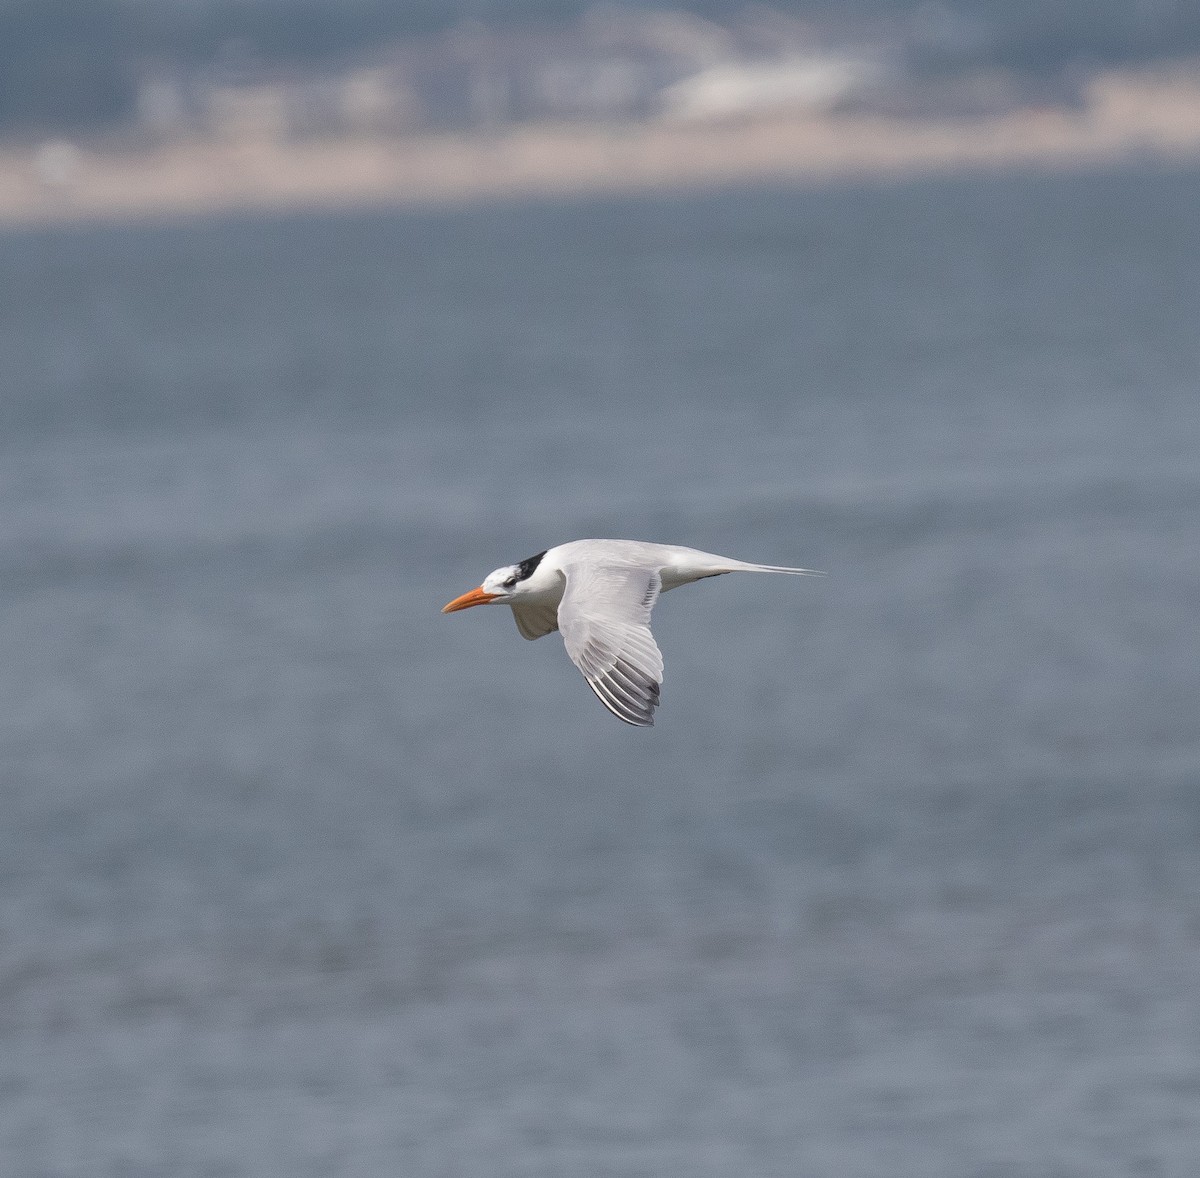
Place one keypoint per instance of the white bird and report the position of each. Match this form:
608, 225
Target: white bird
599, 593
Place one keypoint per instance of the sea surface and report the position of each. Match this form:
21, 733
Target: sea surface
299, 877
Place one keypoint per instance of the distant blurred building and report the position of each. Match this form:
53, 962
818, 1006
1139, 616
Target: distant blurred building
619, 64
277, 106
611, 66
614, 65
739, 89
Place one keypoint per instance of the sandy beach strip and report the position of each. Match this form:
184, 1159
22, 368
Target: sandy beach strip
1126, 117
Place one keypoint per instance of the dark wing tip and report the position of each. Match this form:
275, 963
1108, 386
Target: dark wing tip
627, 693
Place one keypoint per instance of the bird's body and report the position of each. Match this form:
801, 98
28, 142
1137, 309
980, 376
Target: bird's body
599, 594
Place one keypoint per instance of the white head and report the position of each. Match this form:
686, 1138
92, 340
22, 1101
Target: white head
501, 585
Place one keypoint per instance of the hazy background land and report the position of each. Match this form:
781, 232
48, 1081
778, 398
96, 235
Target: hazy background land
119, 108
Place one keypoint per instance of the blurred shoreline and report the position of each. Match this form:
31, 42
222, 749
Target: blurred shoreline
1127, 116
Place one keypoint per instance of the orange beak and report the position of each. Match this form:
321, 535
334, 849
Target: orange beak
475, 597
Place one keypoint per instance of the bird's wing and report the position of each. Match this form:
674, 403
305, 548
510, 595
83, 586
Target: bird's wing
536, 619
604, 616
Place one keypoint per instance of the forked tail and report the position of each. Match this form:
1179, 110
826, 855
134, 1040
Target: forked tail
778, 568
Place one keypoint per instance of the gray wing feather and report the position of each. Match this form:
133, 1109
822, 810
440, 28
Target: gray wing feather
605, 621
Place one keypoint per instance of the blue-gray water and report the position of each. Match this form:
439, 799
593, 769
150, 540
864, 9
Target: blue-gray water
299, 877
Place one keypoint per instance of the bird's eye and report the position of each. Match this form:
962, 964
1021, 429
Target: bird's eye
508, 584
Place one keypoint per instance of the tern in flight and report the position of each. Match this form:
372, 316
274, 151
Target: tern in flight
599, 593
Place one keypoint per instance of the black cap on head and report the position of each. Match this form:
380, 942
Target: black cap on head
526, 567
